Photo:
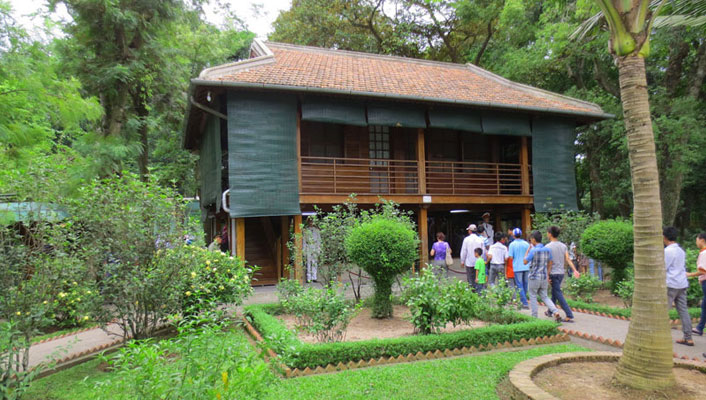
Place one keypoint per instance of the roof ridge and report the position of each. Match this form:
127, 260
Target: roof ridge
315, 49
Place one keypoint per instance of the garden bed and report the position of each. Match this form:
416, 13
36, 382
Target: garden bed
299, 356
621, 313
364, 327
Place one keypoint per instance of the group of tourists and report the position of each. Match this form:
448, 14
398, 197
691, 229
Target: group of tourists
531, 267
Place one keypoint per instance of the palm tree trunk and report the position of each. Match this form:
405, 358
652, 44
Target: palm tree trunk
647, 355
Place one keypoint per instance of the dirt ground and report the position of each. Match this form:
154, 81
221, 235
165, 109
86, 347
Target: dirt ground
605, 297
593, 380
363, 326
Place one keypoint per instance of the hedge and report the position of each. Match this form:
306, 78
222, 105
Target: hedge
296, 354
694, 312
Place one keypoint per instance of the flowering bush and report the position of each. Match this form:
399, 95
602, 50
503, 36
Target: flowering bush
75, 302
210, 277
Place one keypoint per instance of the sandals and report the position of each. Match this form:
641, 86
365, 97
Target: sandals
571, 320
558, 318
685, 342
697, 332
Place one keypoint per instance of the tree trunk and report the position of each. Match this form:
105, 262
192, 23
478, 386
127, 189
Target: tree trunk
647, 355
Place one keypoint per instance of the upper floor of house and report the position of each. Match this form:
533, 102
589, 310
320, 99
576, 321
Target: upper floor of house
300, 125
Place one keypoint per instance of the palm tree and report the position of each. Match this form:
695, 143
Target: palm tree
647, 355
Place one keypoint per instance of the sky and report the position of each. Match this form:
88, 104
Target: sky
257, 15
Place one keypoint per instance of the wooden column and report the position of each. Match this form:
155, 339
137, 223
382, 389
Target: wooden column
524, 165
240, 237
284, 237
424, 237
526, 221
299, 147
421, 162
298, 249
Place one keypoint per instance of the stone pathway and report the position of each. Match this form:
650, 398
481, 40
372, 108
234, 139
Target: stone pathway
594, 327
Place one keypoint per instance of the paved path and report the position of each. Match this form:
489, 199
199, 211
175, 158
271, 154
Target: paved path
615, 329
73, 345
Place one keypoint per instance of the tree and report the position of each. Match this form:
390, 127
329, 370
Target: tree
384, 248
647, 355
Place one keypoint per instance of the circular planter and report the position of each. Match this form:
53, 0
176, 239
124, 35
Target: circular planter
521, 377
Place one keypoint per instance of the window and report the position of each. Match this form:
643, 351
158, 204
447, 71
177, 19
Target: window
379, 148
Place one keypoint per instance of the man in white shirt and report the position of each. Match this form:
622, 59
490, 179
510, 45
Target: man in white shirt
486, 230
677, 284
497, 255
468, 257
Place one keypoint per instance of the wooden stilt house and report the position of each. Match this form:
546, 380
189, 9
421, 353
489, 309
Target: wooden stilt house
293, 126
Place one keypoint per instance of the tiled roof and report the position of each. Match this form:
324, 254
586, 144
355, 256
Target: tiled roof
312, 69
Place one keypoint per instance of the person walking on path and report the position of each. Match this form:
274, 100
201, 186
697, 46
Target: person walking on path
439, 251
480, 270
675, 263
468, 256
701, 274
497, 254
539, 259
560, 258
517, 251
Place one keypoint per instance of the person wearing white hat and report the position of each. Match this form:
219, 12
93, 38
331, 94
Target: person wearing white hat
486, 229
468, 257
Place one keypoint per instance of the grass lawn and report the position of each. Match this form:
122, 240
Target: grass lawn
471, 377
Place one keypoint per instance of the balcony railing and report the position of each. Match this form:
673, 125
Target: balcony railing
332, 175
473, 178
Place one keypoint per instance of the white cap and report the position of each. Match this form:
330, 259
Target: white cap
472, 228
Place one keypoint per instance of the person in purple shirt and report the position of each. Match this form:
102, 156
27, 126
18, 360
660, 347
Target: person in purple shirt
438, 251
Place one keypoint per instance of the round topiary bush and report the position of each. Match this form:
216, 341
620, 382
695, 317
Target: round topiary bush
383, 248
609, 241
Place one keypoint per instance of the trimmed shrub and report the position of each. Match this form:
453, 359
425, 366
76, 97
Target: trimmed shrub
571, 223
609, 241
384, 248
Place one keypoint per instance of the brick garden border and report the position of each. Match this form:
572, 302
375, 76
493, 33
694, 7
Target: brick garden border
295, 372
521, 377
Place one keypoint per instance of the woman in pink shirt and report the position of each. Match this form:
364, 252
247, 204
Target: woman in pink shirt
701, 273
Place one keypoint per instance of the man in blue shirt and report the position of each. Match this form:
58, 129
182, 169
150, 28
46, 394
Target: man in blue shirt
539, 259
517, 251
677, 284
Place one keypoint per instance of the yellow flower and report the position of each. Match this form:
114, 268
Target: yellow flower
45, 302
86, 318
224, 377
62, 294
19, 313
208, 262
88, 292
78, 299
75, 283
188, 293
228, 271
221, 287
137, 302
193, 274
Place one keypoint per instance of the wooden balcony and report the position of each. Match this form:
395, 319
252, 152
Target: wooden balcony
473, 178
363, 176
330, 175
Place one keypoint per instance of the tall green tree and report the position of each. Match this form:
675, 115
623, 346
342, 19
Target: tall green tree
647, 355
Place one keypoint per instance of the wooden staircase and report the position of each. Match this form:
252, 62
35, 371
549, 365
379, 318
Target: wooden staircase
261, 249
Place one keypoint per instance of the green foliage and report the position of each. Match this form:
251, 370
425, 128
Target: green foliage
501, 295
433, 303
609, 241
14, 376
324, 313
583, 288
197, 364
571, 223
75, 302
384, 248
626, 288
296, 354
287, 291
